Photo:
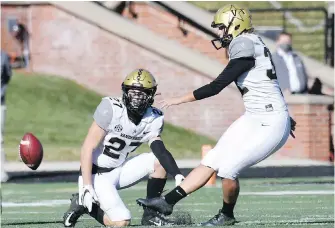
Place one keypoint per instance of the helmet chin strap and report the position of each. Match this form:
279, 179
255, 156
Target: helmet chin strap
137, 106
134, 117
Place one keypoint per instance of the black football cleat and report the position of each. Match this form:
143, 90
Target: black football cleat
152, 218
74, 212
220, 219
157, 204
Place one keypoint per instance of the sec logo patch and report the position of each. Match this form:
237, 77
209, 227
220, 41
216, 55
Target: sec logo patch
118, 128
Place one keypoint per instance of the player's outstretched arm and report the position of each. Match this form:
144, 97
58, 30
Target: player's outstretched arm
233, 70
94, 136
177, 100
166, 159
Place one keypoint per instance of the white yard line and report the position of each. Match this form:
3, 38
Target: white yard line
296, 221
29, 212
267, 193
281, 193
48, 203
53, 203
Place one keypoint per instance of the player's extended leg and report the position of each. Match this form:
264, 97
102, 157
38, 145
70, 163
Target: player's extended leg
244, 144
261, 137
195, 180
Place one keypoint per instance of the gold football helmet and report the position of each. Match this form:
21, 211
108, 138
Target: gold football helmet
233, 20
139, 88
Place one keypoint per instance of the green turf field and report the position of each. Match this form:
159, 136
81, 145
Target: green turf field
297, 202
59, 112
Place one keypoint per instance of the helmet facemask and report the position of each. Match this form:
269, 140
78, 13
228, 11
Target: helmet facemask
139, 88
226, 38
137, 99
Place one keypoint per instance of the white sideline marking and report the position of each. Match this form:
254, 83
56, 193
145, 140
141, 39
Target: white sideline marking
278, 222
49, 203
29, 212
281, 193
52, 203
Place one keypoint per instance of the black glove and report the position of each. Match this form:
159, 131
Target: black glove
293, 123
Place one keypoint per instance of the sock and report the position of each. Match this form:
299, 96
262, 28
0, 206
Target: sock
155, 187
175, 195
228, 209
97, 213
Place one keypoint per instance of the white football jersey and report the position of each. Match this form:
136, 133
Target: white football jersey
122, 136
259, 86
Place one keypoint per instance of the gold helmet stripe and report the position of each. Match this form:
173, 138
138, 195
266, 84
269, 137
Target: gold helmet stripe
140, 78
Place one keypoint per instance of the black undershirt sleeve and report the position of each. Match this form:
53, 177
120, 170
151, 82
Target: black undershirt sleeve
164, 157
234, 69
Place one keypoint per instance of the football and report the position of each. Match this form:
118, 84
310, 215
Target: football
31, 151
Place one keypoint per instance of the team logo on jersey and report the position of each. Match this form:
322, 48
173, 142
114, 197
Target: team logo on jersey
118, 128
130, 137
269, 108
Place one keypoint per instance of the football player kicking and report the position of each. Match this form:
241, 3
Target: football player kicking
119, 127
258, 133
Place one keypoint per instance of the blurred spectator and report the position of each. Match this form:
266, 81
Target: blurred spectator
291, 72
6, 74
22, 36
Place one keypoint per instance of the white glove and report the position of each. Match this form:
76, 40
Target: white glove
178, 179
89, 197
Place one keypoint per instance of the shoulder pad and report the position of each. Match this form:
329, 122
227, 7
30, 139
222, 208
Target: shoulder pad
241, 46
117, 105
116, 101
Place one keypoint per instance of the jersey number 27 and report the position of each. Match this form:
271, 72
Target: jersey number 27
117, 145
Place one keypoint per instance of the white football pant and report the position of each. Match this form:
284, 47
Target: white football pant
249, 140
106, 185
